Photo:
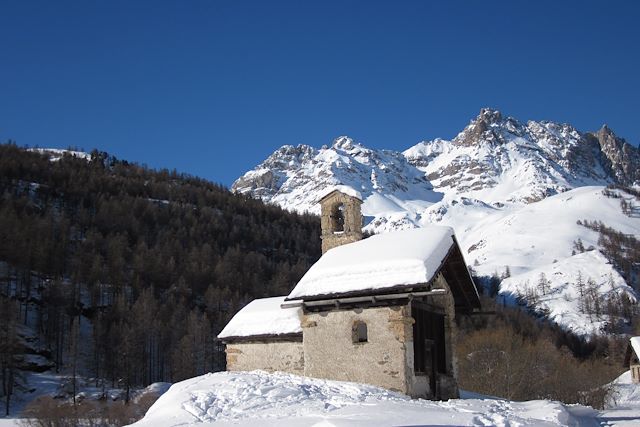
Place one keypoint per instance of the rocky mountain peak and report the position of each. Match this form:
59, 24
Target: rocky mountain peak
623, 158
605, 131
344, 143
290, 154
486, 127
524, 162
489, 116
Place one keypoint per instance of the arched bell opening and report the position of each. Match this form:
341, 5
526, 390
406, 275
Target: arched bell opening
337, 218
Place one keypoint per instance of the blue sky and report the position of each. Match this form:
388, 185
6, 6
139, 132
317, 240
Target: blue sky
211, 88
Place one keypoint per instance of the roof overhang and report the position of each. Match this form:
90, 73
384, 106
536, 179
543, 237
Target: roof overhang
346, 301
297, 337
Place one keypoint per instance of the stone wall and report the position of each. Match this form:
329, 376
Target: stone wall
330, 352
285, 356
387, 358
352, 230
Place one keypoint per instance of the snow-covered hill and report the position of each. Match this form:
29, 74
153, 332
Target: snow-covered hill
512, 191
261, 399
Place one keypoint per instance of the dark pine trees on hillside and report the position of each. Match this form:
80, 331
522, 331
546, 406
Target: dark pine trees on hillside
140, 268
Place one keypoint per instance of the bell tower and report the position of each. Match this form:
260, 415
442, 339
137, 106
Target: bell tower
341, 217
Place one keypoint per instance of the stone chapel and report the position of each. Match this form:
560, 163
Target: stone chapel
380, 310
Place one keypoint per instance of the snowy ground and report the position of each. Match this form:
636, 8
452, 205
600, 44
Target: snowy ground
261, 399
624, 407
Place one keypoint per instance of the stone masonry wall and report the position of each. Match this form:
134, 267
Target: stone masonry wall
330, 352
285, 356
352, 221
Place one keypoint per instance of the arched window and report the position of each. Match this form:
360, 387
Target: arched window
359, 332
337, 218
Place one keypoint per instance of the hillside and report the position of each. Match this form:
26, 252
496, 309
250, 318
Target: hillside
514, 192
116, 272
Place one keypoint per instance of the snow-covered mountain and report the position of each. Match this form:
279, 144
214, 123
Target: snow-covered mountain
512, 191
502, 160
395, 191
494, 159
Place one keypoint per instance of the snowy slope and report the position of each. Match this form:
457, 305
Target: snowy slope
532, 235
512, 191
562, 300
261, 399
538, 238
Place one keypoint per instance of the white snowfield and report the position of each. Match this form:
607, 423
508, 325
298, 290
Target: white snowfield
263, 317
405, 257
261, 399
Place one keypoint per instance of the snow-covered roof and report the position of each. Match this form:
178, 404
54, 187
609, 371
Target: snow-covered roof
349, 191
263, 317
635, 344
387, 260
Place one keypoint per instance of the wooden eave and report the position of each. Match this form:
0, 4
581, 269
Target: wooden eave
457, 275
293, 337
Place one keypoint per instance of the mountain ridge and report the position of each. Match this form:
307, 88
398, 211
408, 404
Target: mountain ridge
494, 159
500, 183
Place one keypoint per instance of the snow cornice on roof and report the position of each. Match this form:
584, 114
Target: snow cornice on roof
349, 191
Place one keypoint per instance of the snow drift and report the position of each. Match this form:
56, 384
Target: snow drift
261, 399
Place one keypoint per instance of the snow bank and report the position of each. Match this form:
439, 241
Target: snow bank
405, 257
261, 399
263, 317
